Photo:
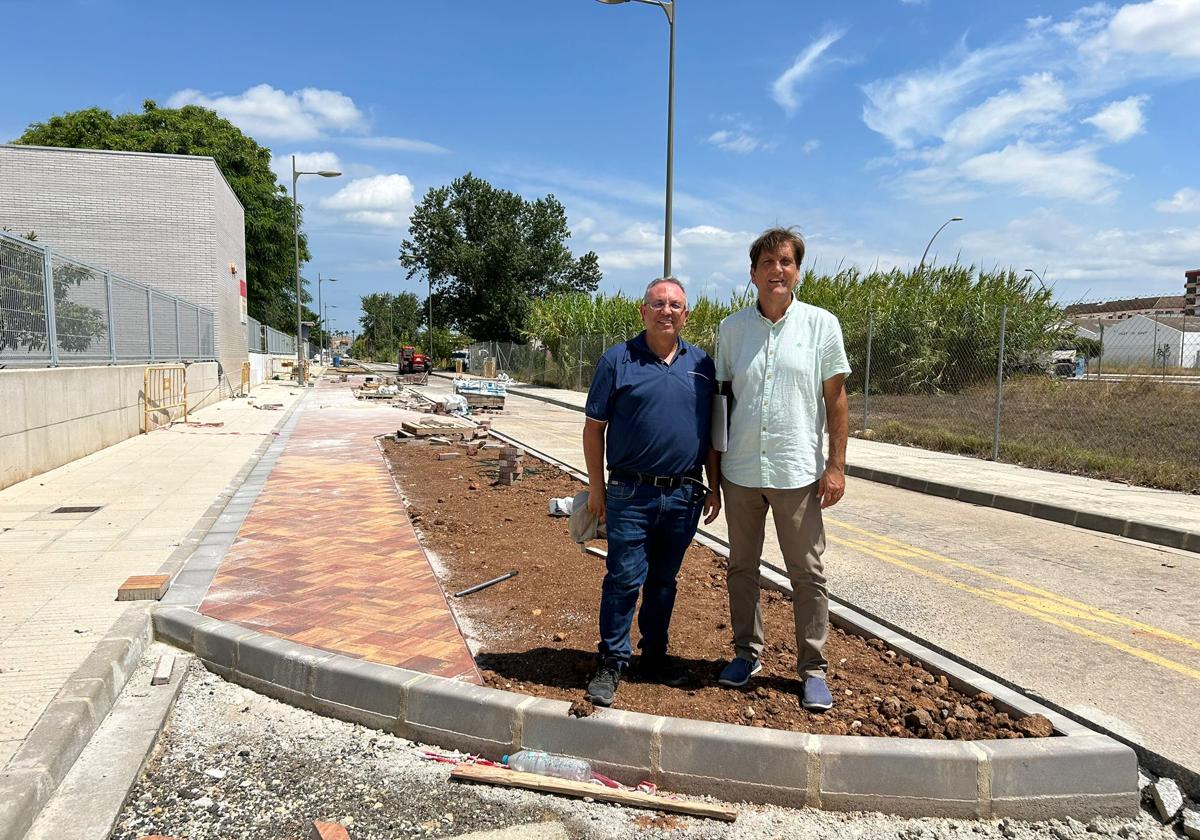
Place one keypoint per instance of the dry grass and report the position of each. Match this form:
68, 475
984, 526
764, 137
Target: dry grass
1139, 432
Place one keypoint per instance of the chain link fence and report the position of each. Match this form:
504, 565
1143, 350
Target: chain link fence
55, 310
1115, 400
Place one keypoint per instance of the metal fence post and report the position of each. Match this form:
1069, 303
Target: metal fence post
199, 344
150, 320
51, 317
999, 384
1100, 358
579, 374
178, 343
112, 333
867, 371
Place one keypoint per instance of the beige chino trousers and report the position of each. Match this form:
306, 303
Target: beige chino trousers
801, 534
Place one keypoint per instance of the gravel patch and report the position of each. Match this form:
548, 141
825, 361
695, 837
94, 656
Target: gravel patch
233, 764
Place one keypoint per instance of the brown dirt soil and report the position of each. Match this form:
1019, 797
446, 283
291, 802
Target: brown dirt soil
537, 632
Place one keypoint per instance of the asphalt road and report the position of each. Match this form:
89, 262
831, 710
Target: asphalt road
1103, 626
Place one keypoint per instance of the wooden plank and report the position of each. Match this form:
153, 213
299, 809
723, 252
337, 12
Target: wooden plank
144, 588
566, 787
162, 671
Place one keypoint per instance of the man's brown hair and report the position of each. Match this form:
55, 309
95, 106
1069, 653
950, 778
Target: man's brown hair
772, 239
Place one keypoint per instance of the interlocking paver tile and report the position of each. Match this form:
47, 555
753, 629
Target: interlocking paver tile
327, 556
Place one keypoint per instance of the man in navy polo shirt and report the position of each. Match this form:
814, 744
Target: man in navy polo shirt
653, 396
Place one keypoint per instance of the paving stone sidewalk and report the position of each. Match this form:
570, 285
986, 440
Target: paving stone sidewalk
327, 556
59, 572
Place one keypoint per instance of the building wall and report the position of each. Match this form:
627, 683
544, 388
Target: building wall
53, 416
1133, 341
170, 221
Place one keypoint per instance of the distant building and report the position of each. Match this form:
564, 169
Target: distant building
1170, 340
1117, 310
1191, 294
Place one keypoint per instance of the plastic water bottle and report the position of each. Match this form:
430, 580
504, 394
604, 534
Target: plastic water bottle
549, 764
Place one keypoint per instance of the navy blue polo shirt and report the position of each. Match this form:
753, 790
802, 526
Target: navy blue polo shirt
658, 414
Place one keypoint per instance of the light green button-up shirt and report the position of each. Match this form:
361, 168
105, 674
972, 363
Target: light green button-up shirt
777, 426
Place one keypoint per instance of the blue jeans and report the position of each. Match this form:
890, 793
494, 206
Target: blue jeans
649, 529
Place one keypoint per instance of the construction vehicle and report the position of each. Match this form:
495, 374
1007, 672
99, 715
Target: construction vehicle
412, 361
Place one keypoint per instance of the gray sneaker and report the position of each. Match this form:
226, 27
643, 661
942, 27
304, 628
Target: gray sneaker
603, 686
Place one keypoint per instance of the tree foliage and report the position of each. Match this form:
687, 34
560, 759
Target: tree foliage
191, 130
389, 321
489, 253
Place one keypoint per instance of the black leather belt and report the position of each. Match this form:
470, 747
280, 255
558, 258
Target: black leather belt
664, 481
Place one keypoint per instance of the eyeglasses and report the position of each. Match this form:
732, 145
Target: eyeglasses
660, 305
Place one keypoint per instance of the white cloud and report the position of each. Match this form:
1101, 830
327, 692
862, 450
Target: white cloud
281, 165
1096, 262
1171, 27
909, 108
1039, 99
783, 89
397, 144
268, 112
739, 140
810, 146
379, 201
1120, 120
1186, 200
1073, 174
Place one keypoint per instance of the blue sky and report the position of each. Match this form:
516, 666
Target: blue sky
1063, 134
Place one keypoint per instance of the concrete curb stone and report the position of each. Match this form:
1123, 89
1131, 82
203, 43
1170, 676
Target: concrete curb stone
1079, 773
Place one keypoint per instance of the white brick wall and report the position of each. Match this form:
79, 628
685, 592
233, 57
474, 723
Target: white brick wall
169, 221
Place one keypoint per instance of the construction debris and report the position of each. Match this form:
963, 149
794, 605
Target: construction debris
446, 456
511, 464
268, 406
428, 426
144, 588
567, 787
481, 394
328, 831
162, 671
1168, 799
485, 584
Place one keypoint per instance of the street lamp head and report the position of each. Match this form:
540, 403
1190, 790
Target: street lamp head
612, 2
328, 173
956, 218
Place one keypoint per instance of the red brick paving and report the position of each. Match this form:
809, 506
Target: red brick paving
327, 556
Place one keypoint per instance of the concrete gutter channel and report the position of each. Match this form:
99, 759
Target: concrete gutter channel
71, 719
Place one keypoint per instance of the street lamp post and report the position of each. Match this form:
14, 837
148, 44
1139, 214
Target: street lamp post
325, 318
324, 173
668, 7
321, 312
1038, 276
921, 264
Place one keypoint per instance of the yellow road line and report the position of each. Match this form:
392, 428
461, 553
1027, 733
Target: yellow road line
895, 547
1017, 603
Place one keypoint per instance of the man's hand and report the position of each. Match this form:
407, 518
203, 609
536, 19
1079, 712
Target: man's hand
596, 501
832, 486
712, 506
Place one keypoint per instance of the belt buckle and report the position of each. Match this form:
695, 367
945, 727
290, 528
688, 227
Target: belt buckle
662, 481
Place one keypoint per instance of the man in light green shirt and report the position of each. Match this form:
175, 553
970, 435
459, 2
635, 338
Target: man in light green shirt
784, 363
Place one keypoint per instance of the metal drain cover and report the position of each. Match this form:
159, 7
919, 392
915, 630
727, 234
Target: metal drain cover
78, 509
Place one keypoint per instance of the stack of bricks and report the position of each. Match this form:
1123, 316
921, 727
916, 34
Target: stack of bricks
510, 464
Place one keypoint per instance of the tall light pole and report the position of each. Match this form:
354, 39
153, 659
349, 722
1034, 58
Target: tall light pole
325, 318
324, 173
321, 312
430, 320
921, 264
668, 7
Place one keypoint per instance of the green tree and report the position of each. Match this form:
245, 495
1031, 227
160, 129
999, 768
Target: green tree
489, 253
191, 130
388, 321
